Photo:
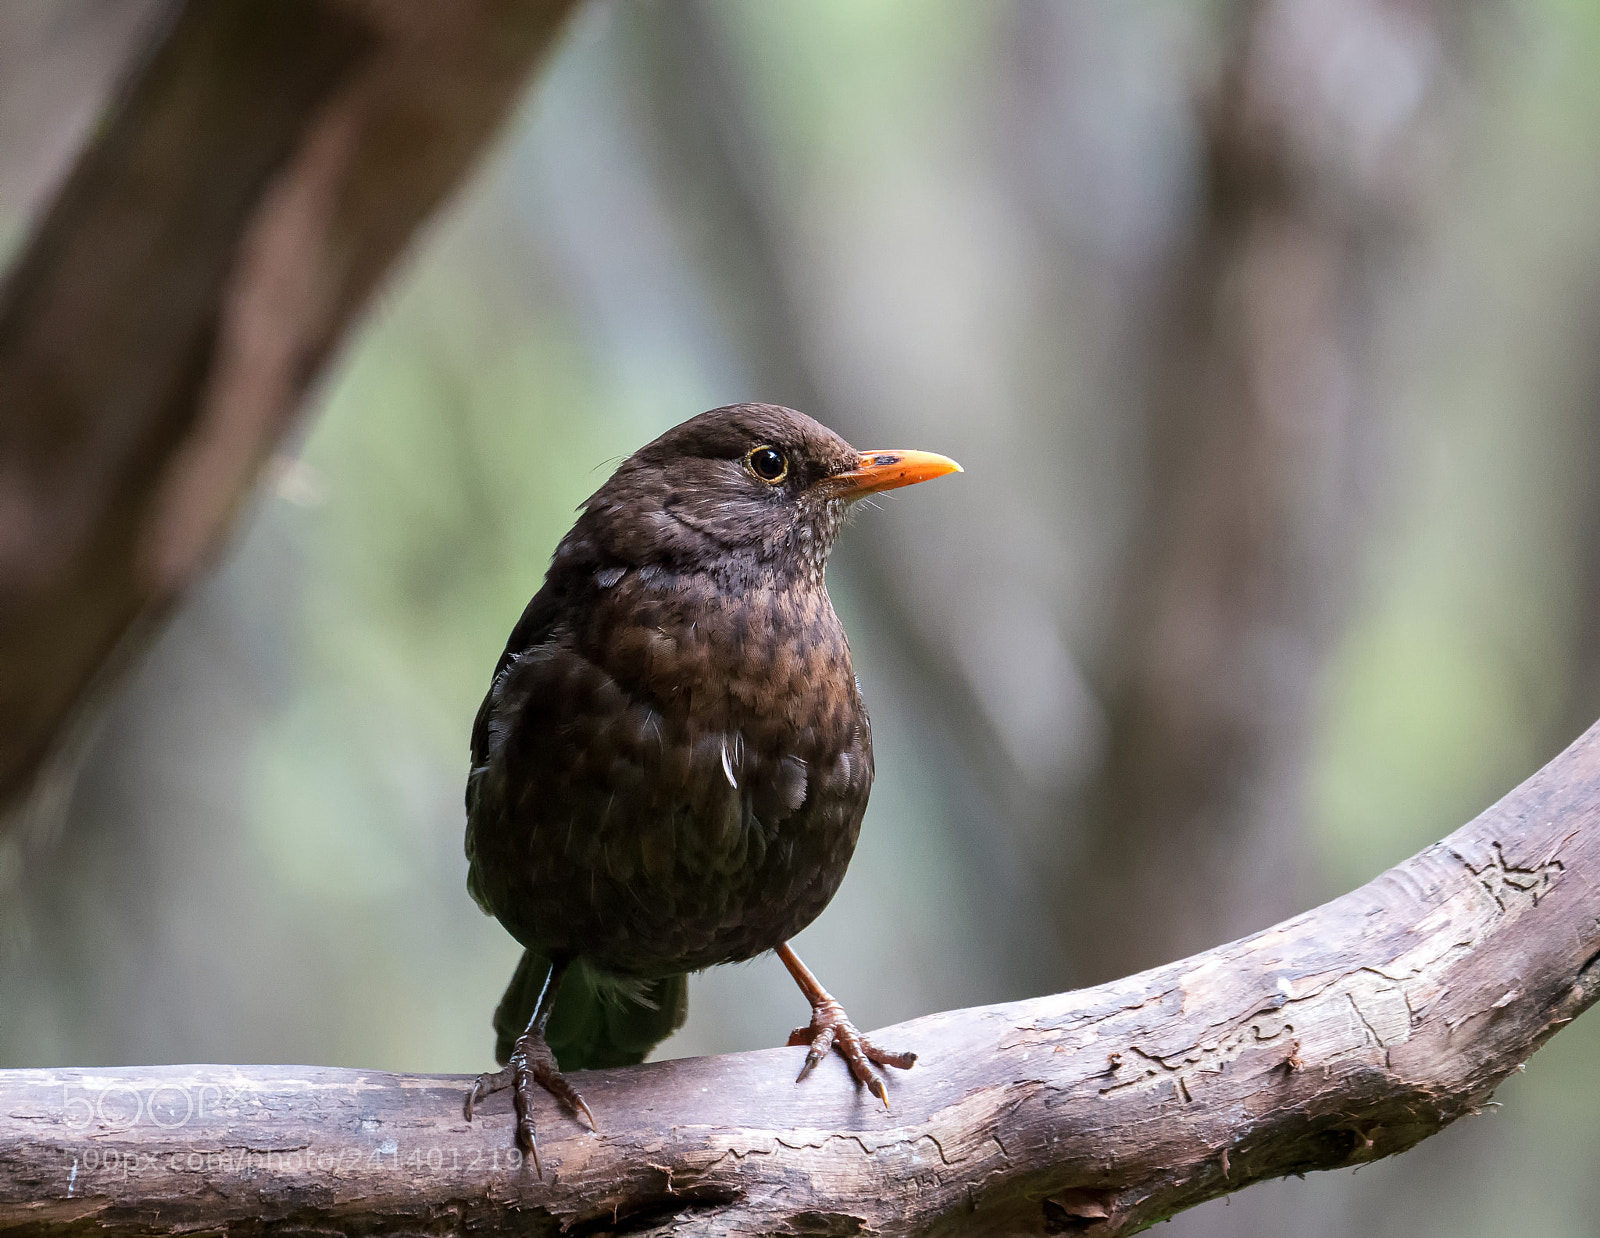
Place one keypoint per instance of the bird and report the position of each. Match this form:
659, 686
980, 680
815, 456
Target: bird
671, 764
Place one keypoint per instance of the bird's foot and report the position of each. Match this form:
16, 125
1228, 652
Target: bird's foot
532, 1064
830, 1028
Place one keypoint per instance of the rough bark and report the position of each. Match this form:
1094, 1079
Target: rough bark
266, 163
1342, 1035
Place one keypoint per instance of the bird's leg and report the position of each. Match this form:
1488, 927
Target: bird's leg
830, 1028
532, 1063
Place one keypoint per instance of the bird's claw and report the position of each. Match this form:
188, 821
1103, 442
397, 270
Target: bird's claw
532, 1064
830, 1028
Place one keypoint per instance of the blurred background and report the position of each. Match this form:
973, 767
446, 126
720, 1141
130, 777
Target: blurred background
1266, 332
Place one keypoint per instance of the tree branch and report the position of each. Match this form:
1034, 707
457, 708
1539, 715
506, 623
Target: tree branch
1348, 1033
264, 167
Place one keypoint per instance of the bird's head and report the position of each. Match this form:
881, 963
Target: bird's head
752, 489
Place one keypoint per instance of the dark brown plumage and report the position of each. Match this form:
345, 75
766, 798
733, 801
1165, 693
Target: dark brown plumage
671, 765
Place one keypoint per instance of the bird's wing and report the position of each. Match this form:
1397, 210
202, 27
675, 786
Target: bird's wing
535, 627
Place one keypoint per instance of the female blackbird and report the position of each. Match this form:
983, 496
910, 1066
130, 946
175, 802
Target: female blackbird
671, 765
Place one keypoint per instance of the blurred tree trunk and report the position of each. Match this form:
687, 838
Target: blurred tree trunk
1583, 691
58, 64
1258, 429
1260, 439
260, 171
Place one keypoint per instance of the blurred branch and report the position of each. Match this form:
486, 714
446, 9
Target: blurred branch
1343, 1035
1259, 412
264, 166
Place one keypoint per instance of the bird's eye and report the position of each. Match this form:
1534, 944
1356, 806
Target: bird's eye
769, 464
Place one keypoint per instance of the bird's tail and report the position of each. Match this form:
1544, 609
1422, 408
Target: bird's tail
597, 1021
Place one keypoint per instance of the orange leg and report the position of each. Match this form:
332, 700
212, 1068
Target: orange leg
830, 1028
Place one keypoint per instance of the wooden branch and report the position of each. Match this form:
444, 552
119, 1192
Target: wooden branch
1345, 1034
265, 166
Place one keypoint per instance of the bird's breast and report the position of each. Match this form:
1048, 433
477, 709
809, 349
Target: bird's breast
770, 662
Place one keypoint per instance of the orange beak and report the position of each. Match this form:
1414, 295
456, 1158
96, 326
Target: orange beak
889, 470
